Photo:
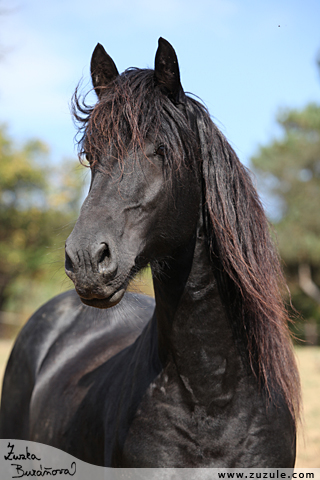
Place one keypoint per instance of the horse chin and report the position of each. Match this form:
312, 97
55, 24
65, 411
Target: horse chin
107, 302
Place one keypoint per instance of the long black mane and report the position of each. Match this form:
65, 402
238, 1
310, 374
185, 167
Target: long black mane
246, 262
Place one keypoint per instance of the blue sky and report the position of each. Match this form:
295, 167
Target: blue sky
245, 59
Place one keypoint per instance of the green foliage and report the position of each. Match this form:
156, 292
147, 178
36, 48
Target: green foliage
289, 169
37, 204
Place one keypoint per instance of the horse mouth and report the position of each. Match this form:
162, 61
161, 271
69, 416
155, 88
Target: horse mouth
107, 302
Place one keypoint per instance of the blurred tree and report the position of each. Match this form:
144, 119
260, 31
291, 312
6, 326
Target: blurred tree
36, 202
290, 170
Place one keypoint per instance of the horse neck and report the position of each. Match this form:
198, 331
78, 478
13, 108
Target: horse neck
194, 330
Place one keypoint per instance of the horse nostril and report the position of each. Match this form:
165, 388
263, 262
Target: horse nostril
68, 264
105, 264
104, 253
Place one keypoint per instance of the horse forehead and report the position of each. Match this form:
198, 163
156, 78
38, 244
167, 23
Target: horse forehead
131, 176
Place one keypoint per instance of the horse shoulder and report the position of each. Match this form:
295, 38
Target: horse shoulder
60, 332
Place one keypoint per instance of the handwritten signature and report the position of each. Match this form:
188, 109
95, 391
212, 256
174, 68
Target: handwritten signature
21, 472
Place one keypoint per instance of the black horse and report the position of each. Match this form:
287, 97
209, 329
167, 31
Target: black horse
203, 377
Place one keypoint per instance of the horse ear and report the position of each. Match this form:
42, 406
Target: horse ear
167, 70
103, 69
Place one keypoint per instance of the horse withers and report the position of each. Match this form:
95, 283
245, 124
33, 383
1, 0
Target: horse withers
204, 376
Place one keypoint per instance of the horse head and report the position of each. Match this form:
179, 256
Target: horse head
144, 197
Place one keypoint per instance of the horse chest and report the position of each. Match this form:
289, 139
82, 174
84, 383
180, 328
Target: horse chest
171, 430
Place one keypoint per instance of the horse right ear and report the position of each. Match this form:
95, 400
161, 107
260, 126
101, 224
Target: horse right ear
103, 70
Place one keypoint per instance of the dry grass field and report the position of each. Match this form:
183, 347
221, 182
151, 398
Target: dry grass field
309, 433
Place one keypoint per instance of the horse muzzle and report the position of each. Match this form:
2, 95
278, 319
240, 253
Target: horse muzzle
93, 270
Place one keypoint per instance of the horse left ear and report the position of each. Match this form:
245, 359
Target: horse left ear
167, 70
103, 69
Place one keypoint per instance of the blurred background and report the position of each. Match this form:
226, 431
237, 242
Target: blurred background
256, 65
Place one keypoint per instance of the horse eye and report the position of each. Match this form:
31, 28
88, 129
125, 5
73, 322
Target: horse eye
160, 150
88, 158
